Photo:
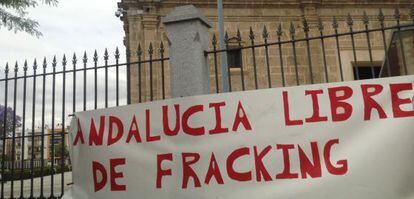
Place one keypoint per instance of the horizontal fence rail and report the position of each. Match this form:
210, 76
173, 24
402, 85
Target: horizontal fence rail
36, 101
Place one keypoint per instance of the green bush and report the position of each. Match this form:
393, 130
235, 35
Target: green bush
37, 172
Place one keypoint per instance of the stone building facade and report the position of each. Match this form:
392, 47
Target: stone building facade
143, 26
36, 146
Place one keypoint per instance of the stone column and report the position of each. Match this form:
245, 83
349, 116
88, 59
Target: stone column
188, 35
310, 13
134, 35
149, 30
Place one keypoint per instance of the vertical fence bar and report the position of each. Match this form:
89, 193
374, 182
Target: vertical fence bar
350, 23
293, 41
321, 28
397, 17
306, 31
226, 42
251, 36
139, 54
365, 20
6, 88
279, 33
338, 51
23, 136
150, 52
214, 42
162, 69
381, 19
74, 83
52, 179
106, 56
128, 72
33, 129
14, 130
62, 155
117, 75
95, 62
42, 157
85, 61
239, 39
265, 35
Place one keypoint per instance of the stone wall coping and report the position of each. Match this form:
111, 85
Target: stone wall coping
185, 13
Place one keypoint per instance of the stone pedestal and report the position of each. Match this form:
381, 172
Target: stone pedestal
188, 36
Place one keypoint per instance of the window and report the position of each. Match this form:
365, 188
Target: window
366, 69
400, 54
393, 60
234, 57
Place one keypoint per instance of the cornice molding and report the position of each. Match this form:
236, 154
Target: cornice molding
264, 3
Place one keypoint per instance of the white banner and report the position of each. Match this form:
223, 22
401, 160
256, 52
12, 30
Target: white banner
339, 140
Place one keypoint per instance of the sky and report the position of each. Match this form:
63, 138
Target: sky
73, 26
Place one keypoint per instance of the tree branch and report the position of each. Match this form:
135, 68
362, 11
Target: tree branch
19, 23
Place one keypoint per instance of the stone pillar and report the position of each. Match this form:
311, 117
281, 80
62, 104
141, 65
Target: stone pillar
188, 36
134, 36
150, 24
310, 13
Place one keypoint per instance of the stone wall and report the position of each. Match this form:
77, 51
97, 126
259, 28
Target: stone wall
147, 28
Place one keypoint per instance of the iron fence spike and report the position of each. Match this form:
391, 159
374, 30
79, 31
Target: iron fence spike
150, 49
25, 65
117, 53
320, 25
74, 60
54, 63
214, 41
397, 14
95, 56
162, 47
162, 44
381, 16
265, 33
226, 38
292, 29
106, 55
44, 62
238, 35
16, 67
279, 30
251, 35
305, 24
139, 51
85, 57
335, 23
35, 64
64, 60
6, 70
349, 20
365, 18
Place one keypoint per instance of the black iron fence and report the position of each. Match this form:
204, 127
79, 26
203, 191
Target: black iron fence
41, 99
313, 51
